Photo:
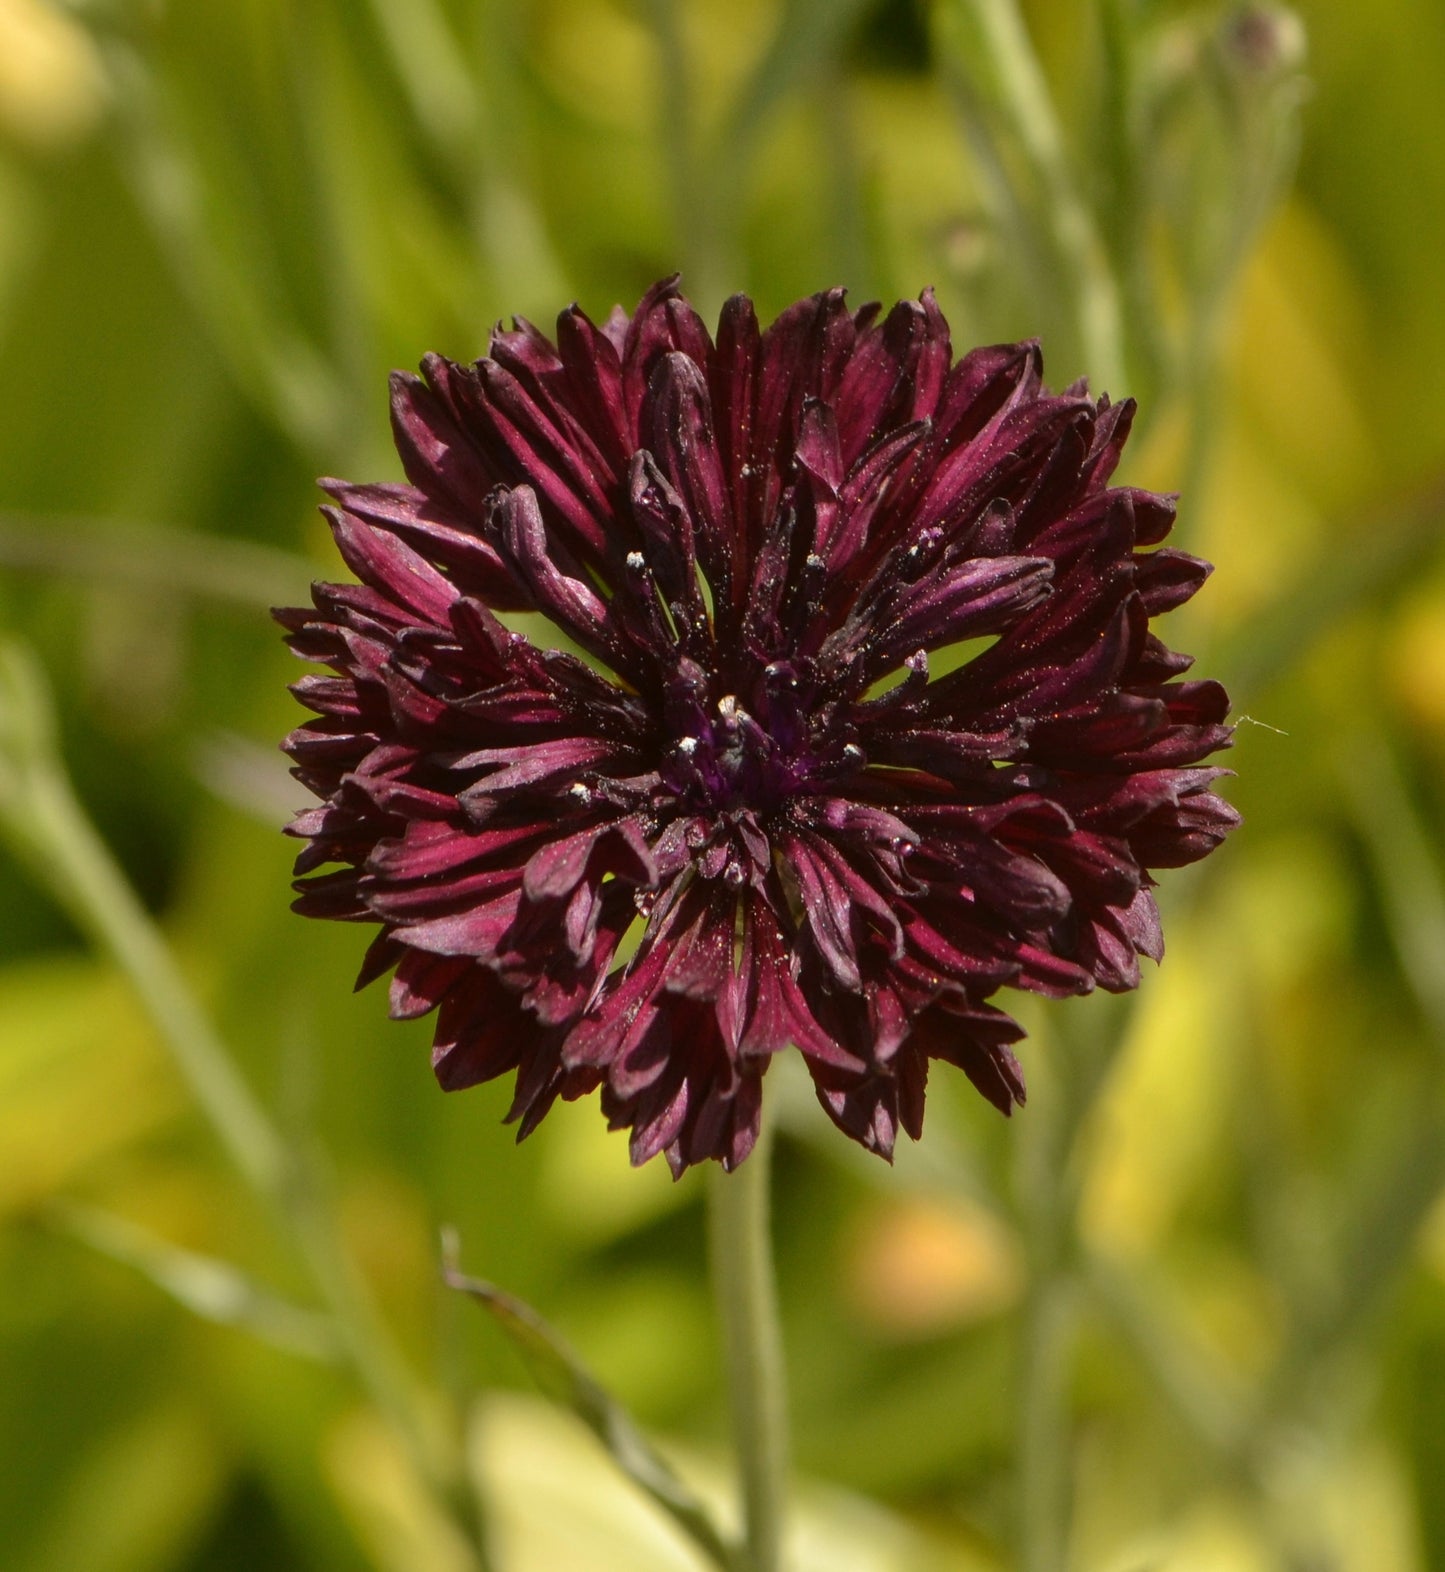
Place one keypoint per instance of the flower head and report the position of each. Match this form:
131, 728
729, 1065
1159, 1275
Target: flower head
860, 720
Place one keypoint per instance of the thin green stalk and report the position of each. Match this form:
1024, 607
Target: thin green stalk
1044, 1423
1048, 1313
1404, 862
849, 220
1117, 26
1194, 1384
1200, 389
378, 1363
1123, 213
742, 1267
1048, 1173
1022, 95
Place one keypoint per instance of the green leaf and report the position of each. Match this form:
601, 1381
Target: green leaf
1384, 553
560, 1373
185, 562
1404, 864
214, 1290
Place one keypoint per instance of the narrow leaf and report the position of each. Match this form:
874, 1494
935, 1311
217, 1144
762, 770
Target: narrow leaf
1383, 554
214, 1290
560, 1373
186, 562
1404, 864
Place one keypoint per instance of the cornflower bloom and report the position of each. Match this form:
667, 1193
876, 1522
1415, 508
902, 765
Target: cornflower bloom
856, 716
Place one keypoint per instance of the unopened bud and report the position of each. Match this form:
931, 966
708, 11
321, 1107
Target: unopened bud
1264, 40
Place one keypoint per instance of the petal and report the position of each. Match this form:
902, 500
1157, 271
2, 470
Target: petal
441, 459
663, 322
592, 369
619, 849
387, 564
449, 540
422, 981
1167, 578
975, 597
895, 374
676, 426
540, 764
516, 528
733, 382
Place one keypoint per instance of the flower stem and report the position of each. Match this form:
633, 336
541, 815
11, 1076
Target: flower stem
1044, 1425
1046, 1347
743, 1278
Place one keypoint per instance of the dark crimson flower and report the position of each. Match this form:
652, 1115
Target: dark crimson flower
861, 717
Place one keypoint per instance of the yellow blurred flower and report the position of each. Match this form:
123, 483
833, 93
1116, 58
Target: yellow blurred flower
920, 1266
52, 82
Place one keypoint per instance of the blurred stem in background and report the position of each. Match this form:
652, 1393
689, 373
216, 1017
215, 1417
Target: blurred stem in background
1197, 133
1044, 1469
695, 209
152, 557
1242, 78
849, 217
50, 832
743, 1278
1019, 146
1014, 131
708, 172
1124, 214
1064, 1099
47, 827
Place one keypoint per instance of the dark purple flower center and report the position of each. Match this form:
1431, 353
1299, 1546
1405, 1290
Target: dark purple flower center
753, 746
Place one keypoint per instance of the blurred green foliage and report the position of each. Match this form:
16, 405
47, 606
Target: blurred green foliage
1189, 1310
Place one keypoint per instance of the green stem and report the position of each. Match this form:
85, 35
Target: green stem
742, 1267
848, 215
179, 561
1123, 215
1021, 95
1044, 1424
1048, 1322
